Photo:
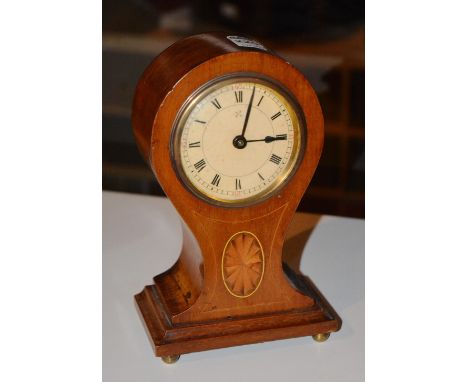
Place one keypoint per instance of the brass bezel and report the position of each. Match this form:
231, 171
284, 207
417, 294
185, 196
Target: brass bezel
297, 119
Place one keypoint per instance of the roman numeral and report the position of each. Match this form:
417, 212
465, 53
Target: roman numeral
238, 96
260, 175
238, 184
216, 104
200, 165
275, 159
281, 137
197, 120
259, 102
273, 117
194, 144
215, 181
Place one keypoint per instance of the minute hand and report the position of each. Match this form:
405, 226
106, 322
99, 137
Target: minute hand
248, 112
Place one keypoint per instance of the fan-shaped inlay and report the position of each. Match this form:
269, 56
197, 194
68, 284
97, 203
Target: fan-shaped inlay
242, 264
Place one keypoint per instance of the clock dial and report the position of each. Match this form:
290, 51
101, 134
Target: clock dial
238, 141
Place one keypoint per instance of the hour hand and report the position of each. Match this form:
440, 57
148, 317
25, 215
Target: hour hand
269, 139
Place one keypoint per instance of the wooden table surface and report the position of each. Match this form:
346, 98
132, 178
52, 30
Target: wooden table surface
142, 238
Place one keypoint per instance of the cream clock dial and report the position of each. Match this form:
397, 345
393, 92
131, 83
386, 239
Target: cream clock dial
237, 141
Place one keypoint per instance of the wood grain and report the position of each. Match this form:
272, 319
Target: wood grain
189, 307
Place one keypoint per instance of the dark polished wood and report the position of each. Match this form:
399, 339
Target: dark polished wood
189, 308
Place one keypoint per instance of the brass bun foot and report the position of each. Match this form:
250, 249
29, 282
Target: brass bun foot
321, 337
170, 358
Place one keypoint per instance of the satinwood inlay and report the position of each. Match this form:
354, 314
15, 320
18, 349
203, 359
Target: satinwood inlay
243, 264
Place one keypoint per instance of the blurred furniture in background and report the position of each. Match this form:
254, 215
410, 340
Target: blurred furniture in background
323, 39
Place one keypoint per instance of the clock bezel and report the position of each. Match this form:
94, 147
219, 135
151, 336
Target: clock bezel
300, 138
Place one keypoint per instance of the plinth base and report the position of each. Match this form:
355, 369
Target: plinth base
170, 339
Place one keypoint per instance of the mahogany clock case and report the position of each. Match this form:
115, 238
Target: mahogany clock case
190, 307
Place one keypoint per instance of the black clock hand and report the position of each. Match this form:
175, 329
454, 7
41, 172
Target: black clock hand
239, 141
248, 113
269, 139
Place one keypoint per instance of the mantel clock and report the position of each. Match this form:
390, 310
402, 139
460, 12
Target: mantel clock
233, 134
